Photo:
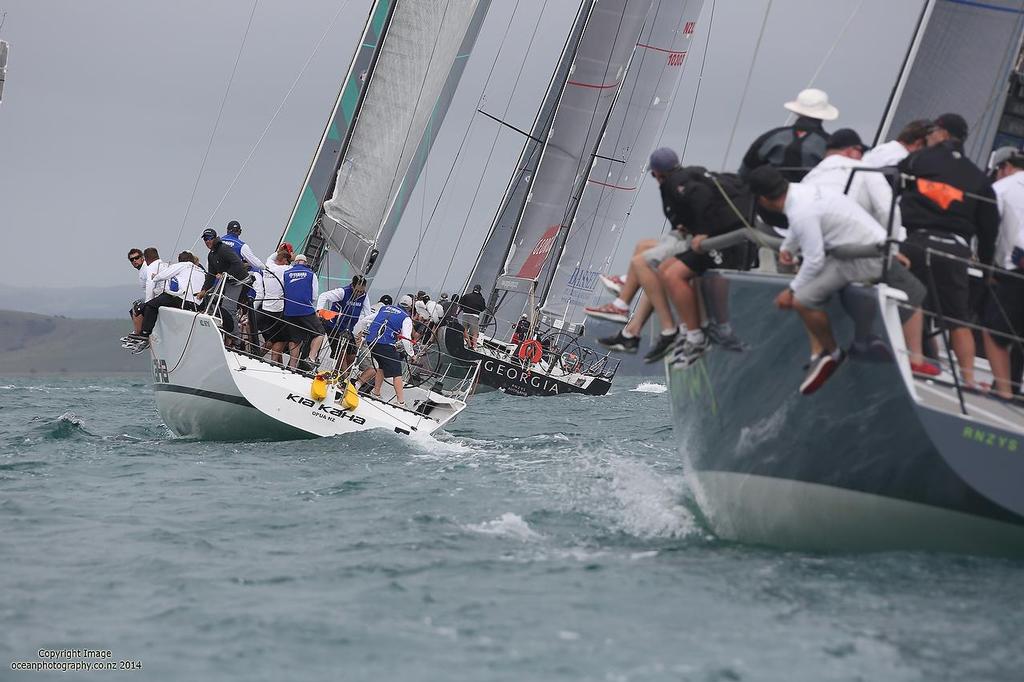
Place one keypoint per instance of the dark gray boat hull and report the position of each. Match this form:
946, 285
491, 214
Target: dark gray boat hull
860, 465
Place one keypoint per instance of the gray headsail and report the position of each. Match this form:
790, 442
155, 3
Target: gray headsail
4, 50
602, 55
420, 44
620, 166
963, 57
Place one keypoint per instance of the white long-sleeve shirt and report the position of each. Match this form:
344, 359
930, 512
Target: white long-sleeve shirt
1010, 196
250, 257
153, 287
190, 278
143, 276
869, 189
886, 154
819, 221
273, 288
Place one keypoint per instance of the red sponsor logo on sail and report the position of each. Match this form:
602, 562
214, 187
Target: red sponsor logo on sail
689, 27
534, 262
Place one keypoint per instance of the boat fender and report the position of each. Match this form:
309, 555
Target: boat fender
531, 350
351, 399
318, 391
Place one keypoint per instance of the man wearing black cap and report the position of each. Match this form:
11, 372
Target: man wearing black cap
946, 203
233, 239
819, 222
472, 305
843, 153
222, 262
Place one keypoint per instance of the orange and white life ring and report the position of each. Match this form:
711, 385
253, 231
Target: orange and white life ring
531, 350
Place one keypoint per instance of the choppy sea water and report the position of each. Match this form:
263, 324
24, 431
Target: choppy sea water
539, 539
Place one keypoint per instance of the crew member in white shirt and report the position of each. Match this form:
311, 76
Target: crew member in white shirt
271, 304
820, 221
153, 267
870, 189
1004, 311
138, 262
176, 285
890, 153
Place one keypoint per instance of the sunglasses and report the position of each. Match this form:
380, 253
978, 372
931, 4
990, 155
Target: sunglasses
134, 258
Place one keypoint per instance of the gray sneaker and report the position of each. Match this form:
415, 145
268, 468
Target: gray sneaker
726, 338
686, 352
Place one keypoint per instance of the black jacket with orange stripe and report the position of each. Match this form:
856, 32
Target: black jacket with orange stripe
940, 198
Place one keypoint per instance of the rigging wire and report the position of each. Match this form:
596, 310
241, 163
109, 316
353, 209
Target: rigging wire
494, 142
259, 140
216, 125
835, 43
746, 85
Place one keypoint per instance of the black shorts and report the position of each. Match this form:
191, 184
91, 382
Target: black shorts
387, 360
948, 276
272, 327
304, 328
1004, 311
733, 258
136, 309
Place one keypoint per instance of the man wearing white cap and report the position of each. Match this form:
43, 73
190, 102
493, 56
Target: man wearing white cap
796, 148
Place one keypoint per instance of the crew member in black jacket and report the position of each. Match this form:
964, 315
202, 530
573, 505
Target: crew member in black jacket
222, 260
948, 201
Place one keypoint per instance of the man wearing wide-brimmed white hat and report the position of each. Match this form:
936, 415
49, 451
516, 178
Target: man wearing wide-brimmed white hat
796, 148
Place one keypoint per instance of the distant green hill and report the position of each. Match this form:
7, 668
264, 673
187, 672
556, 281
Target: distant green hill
44, 344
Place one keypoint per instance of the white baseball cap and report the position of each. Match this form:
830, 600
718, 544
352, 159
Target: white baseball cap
405, 301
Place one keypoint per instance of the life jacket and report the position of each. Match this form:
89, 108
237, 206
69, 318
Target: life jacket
234, 242
298, 291
386, 328
349, 310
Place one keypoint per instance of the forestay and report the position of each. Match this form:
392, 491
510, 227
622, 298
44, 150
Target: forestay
421, 42
636, 122
609, 38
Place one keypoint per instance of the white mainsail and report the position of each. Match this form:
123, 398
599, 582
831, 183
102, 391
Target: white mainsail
621, 164
422, 41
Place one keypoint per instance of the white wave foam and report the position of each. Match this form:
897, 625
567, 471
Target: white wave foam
508, 525
649, 387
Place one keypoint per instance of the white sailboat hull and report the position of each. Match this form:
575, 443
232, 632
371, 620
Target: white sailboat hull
206, 392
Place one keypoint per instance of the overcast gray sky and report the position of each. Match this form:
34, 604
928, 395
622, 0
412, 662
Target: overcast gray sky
109, 106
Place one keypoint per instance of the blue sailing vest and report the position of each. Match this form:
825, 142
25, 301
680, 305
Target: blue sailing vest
387, 326
299, 297
234, 242
348, 310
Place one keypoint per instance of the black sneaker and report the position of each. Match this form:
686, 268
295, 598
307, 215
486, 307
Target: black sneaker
621, 343
662, 347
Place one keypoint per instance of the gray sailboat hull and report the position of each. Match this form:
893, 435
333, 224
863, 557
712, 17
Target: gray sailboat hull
863, 464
